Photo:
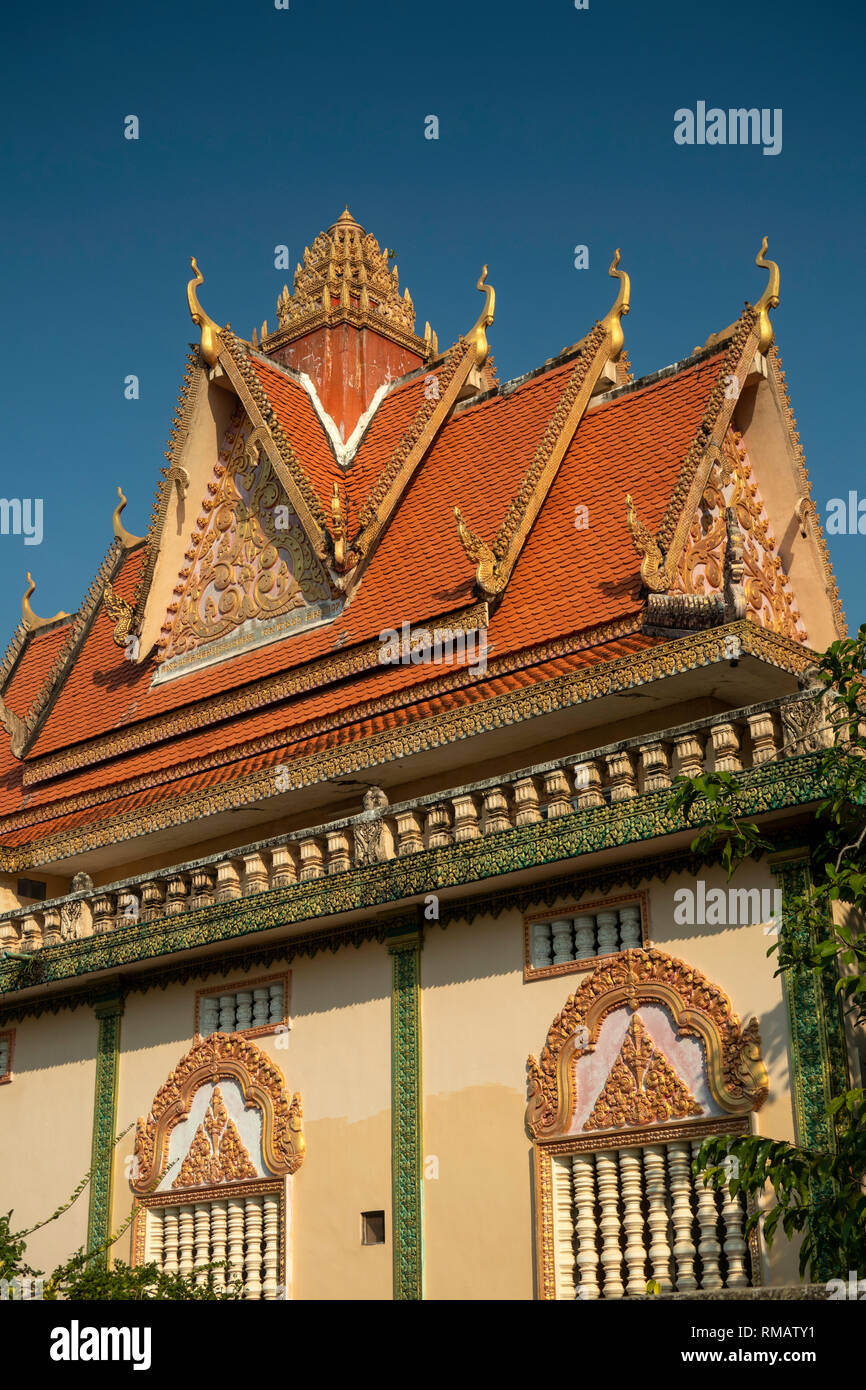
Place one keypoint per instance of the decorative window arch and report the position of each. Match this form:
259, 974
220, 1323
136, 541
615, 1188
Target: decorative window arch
645, 1060
211, 1166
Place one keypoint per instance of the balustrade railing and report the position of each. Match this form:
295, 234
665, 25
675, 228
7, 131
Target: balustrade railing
618, 772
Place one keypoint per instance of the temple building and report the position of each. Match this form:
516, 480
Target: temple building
338, 874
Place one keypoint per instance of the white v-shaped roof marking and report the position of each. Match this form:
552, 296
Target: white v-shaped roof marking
344, 452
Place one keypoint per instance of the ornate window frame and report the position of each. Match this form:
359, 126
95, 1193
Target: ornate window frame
736, 1074
639, 899
217, 1057
8, 1036
283, 977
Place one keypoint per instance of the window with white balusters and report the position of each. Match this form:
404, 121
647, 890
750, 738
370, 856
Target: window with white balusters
560, 940
241, 1232
623, 1216
257, 1007
5, 1054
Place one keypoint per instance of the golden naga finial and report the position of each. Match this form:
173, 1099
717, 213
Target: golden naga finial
121, 614
653, 567
210, 331
479, 552
477, 336
612, 319
127, 540
769, 299
339, 523
28, 617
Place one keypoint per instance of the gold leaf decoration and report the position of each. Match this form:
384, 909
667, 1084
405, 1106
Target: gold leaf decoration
217, 1153
642, 1088
769, 597
249, 556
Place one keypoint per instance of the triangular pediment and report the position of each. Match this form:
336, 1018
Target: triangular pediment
642, 1087
249, 575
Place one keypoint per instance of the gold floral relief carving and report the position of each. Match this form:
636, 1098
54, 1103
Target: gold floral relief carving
736, 1074
769, 597
217, 1153
249, 557
220, 1056
642, 1088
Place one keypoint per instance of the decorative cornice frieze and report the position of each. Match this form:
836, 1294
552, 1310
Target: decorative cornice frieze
465, 721
244, 700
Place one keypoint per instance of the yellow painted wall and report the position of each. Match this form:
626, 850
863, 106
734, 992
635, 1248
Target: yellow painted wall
479, 1023
45, 1130
338, 1058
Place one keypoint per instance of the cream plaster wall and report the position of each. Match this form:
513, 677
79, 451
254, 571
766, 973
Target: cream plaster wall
338, 1058
46, 1130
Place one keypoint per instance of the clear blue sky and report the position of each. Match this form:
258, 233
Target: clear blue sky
258, 124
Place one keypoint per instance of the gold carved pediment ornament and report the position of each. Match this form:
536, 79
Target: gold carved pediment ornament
736, 1075
220, 1056
248, 557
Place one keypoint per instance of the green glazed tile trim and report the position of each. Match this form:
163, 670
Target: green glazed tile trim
108, 1013
407, 1198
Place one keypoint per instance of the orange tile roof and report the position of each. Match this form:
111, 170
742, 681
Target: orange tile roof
566, 581
175, 762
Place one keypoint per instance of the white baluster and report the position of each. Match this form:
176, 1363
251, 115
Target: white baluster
680, 1184
170, 1240
607, 924
253, 1234
277, 1006
227, 1013
236, 1239
564, 1228
563, 948
540, 945
153, 1245
607, 1175
657, 1215
208, 1014
218, 1232
243, 1010
261, 1005
186, 1231
631, 1187
734, 1245
202, 1240
629, 928
583, 1178
709, 1248
584, 937
271, 1238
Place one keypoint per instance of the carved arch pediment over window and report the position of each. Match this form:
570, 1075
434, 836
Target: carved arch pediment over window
249, 1126
645, 1040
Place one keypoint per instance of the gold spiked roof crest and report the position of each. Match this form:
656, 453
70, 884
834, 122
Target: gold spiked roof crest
345, 277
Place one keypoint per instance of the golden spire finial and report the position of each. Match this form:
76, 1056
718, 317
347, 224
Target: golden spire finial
612, 321
28, 617
477, 336
210, 331
769, 299
127, 540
